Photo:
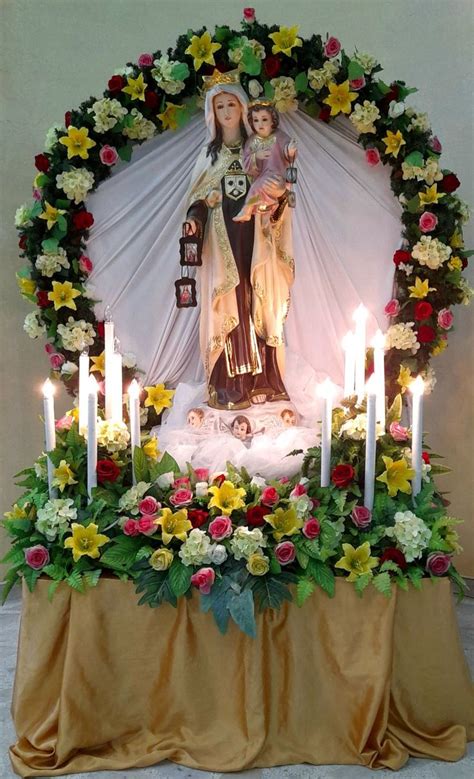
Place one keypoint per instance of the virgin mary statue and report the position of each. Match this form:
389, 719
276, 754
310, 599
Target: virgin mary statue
247, 267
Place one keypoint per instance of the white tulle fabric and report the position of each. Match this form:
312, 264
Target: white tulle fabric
346, 226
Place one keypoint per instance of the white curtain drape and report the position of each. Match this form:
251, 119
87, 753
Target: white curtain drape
346, 226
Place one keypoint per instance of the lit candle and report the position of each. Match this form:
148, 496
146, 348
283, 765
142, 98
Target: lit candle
348, 344
417, 388
109, 356
117, 389
134, 414
370, 442
360, 318
83, 390
91, 435
49, 432
326, 391
379, 372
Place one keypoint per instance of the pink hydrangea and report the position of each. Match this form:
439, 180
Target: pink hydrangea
203, 579
445, 318
392, 308
372, 156
332, 47
220, 528
427, 222
285, 552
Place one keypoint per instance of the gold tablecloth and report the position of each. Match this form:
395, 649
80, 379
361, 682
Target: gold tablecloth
103, 684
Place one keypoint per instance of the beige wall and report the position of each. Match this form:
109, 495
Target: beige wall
56, 53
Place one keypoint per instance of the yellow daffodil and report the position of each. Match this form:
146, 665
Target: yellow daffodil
227, 498
63, 476
151, 448
98, 363
421, 289
430, 195
455, 263
340, 98
85, 541
396, 476
284, 522
77, 142
26, 285
440, 347
51, 214
202, 49
17, 512
169, 117
404, 378
393, 142
63, 294
136, 87
159, 397
285, 40
357, 561
173, 525
456, 240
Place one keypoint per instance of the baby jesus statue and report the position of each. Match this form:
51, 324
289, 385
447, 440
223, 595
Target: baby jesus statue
266, 155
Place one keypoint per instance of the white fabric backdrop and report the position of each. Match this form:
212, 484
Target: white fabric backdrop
346, 226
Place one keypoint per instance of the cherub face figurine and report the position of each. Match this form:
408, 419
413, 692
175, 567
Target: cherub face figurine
262, 122
240, 428
195, 417
288, 417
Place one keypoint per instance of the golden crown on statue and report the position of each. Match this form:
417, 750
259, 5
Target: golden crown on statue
264, 102
231, 77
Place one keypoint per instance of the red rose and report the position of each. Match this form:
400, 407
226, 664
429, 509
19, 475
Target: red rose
395, 556
401, 256
151, 100
426, 334
42, 298
100, 329
249, 15
423, 310
271, 66
342, 475
255, 515
449, 183
67, 118
42, 163
198, 517
107, 470
82, 220
426, 458
438, 563
325, 113
219, 479
312, 528
22, 242
465, 262
116, 83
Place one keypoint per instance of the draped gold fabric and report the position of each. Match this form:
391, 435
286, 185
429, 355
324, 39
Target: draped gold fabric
103, 684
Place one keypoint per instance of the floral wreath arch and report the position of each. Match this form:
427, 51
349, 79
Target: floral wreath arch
161, 92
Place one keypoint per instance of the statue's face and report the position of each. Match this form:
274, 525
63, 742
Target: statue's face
262, 123
193, 419
239, 430
227, 109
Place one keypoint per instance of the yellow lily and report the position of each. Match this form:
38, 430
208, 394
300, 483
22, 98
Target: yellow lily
455, 263
26, 285
393, 142
136, 87
51, 214
397, 476
202, 49
285, 522
159, 397
227, 498
151, 448
169, 117
430, 195
173, 525
16, 513
285, 40
357, 561
98, 363
340, 98
421, 289
77, 142
63, 294
404, 378
85, 541
63, 476
456, 240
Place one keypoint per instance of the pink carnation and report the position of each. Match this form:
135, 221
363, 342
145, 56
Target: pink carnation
427, 222
56, 360
438, 563
145, 60
311, 528
204, 579
392, 308
445, 318
36, 556
372, 156
85, 264
361, 516
130, 527
181, 498
435, 144
149, 505
64, 423
249, 15
285, 552
357, 83
220, 528
332, 47
146, 525
398, 432
202, 474
108, 155
270, 496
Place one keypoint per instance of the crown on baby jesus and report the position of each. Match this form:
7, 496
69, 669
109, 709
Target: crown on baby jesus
231, 77
263, 102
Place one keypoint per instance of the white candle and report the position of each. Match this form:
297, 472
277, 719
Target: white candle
326, 391
370, 443
348, 344
109, 352
83, 390
117, 389
417, 388
134, 414
360, 318
49, 432
91, 436
379, 371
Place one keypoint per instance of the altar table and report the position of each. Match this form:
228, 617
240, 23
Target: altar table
104, 684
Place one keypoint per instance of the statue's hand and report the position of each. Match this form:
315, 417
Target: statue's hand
291, 150
263, 154
214, 198
193, 227
275, 186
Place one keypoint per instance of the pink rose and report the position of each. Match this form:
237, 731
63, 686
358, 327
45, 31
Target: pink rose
311, 528
220, 528
372, 156
435, 144
108, 155
438, 563
284, 480
85, 264
445, 318
392, 308
183, 481
204, 579
285, 552
332, 47
357, 83
299, 490
36, 556
361, 516
149, 505
146, 525
145, 60
398, 432
249, 15
37, 194
56, 360
49, 348
202, 474
181, 498
130, 527
64, 423
270, 496
427, 222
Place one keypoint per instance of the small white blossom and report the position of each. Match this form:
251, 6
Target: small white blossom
255, 88
130, 499
22, 216
76, 183
69, 368
396, 109
246, 542
411, 534
366, 61
76, 335
51, 136
402, 336
236, 54
41, 469
196, 550
201, 489
126, 70
50, 263
420, 122
218, 554
364, 115
406, 268
55, 517
165, 481
33, 326
129, 360
431, 252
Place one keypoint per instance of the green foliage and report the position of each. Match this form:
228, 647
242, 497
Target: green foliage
180, 577
305, 587
241, 609
271, 591
140, 464
322, 575
362, 582
383, 584
121, 553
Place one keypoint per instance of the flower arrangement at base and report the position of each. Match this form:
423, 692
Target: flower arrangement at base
240, 541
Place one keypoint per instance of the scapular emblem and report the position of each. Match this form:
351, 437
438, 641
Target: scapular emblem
235, 185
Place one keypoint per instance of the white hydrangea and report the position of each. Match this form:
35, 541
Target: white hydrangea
320, 77
163, 75
106, 112
431, 252
466, 290
55, 517
364, 115
425, 471
461, 208
196, 550
356, 428
419, 122
113, 435
76, 183
50, 263
285, 94
236, 54
429, 172
41, 468
51, 136
33, 326
22, 216
142, 129
410, 533
218, 554
69, 368
365, 60
255, 88
402, 336
143, 416
429, 380
76, 335
130, 499
302, 505
246, 542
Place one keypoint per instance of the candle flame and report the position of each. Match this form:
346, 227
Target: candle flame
378, 341
48, 389
417, 387
134, 389
326, 389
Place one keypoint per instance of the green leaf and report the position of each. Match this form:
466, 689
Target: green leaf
354, 70
50, 245
52, 589
62, 203
382, 583
383, 88
62, 223
75, 581
413, 205
31, 576
402, 582
140, 464
125, 152
301, 82
455, 576
323, 575
389, 565
15, 555
165, 465
394, 413
305, 587
121, 553
242, 611
415, 159
144, 553
179, 71
403, 92
180, 577
302, 557
249, 63
415, 575
340, 498
216, 602
362, 582
91, 578
56, 571
328, 536
269, 90
270, 592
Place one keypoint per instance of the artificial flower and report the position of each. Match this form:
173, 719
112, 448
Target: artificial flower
227, 497
285, 522
17, 512
423, 310
141, 129
431, 252
151, 448
320, 77
411, 534
77, 142
285, 96
107, 470
421, 289
161, 559
32, 325
445, 318
427, 222
135, 87
220, 528
170, 116
366, 61
404, 378
197, 549
112, 435
430, 195
285, 40
245, 542
108, 155
82, 220
340, 98
393, 142
342, 475
312, 528
372, 156
455, 263
76, 183
173, 525
26, 285
439, 348
203, 580
63, 294
361, 516
258, 564
63, 476
50, 263
426, 334
76, 335
397, 476
202, 50
198, 517
357, 561
364, 115
438, 563
51, 214
55, 516
158, 397
170, 75
107, 112
98, 363
36, 557
332, 47
85, 541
